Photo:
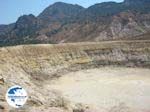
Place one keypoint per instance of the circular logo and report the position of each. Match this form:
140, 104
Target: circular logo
16, 96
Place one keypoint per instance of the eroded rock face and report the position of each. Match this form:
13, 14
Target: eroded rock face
37, 67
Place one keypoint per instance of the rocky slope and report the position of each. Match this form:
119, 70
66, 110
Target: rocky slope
62, 23
39, 69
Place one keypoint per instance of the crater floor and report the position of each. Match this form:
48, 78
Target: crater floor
105, 88
80, 77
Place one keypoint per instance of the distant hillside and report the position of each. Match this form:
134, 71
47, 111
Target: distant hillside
63, 23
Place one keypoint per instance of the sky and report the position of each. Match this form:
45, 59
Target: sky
10, 10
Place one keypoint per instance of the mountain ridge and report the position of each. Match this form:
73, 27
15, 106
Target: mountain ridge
63, 23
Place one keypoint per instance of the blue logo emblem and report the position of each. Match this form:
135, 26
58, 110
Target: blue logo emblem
16, 96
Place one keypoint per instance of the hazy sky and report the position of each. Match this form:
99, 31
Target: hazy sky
10, 10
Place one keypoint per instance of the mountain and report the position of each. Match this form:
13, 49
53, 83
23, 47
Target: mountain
131, 2
63, 23
59, 12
